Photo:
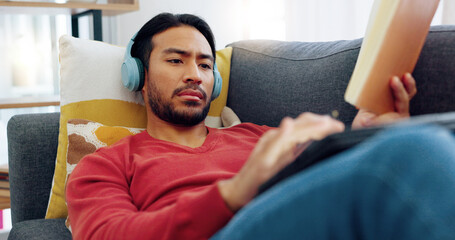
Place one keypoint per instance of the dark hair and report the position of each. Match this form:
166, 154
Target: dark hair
143, 44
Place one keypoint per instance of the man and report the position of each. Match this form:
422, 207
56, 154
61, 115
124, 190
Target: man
182, 180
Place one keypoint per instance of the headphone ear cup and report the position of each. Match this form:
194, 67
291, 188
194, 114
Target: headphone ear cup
217, 83
133, 74
140, 69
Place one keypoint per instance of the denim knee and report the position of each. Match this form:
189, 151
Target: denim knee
410, 147
418, 163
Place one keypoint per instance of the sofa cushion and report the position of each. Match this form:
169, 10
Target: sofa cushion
435, 73
273, 79
38, 229
91, 88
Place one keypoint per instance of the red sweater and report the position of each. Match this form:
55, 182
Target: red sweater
145, 188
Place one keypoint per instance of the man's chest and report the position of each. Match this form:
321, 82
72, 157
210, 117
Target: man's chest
159, 178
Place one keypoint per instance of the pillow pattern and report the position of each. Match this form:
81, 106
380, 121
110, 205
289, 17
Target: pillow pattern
85, 137
91, 88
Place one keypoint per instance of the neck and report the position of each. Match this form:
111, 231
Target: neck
193, 136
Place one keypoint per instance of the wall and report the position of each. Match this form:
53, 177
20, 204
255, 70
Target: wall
290, 20
225, 27
448, 16
233, 20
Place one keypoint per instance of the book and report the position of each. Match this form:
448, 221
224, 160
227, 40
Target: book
4, 192
4, 184
394, 38
5, 202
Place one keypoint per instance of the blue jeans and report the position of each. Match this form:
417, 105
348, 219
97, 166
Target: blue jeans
400, 184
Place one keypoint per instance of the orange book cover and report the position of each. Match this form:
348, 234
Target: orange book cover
395, 35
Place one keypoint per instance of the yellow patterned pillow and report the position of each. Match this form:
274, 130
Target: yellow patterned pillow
91, 88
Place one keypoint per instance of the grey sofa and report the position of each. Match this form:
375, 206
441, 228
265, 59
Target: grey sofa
269, 80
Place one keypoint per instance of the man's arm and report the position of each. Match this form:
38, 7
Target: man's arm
100, 206
403, 90
276, 149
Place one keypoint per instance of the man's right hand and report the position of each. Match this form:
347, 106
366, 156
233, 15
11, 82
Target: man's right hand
275, 150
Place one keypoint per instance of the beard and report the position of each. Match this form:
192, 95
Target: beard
166, 111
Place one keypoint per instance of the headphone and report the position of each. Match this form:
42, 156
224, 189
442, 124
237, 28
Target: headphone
133, 73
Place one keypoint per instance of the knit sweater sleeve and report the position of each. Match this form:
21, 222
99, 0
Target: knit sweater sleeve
101, 207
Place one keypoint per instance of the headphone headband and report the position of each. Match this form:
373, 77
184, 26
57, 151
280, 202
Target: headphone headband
129, 47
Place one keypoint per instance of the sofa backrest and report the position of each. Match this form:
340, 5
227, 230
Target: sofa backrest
273, 79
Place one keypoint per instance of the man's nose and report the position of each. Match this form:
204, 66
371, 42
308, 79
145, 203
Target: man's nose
193, 74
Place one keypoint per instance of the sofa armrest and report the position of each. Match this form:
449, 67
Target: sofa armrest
32, 150
38, 229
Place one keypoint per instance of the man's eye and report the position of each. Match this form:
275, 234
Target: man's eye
206, 66
174, 61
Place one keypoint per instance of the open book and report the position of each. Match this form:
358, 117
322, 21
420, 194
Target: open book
395, 35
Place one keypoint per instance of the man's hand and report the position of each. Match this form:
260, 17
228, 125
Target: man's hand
276, 149
403, 91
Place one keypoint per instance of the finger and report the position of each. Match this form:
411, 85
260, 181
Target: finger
363, 118
317, 127
410, 85
308, 117
275, 140
331, 125
400, 95
305, 125
311, 118
285, 129
286, 123
386, 118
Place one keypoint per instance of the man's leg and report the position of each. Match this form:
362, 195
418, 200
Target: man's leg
397, 185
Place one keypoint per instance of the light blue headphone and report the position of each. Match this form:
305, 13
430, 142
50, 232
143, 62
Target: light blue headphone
133, 73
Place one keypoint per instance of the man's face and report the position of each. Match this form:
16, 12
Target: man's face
179, 80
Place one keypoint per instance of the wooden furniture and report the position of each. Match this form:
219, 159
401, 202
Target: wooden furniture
26, 102
110, 8
4, 187
5, 203
75, 8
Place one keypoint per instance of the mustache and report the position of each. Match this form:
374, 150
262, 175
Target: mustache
190, 86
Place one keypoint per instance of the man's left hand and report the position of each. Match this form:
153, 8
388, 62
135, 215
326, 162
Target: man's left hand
403, 90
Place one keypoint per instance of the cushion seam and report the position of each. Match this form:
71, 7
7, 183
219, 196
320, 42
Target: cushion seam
326, 56
441, 31
297, 60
